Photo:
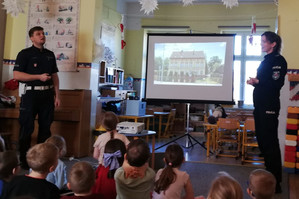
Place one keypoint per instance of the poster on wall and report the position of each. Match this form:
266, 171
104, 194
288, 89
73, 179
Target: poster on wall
108, 39
60, 20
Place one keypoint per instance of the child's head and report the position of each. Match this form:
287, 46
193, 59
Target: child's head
81, 178
43, 158
138, 153
261, 184
174, 157
9, 163
225, 187
114, 152
110, 121
59, 142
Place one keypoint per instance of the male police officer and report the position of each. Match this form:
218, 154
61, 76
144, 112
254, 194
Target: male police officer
36, 70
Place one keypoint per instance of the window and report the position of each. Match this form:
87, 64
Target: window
247, 59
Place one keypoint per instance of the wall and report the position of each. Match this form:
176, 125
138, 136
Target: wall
2, 36
288, 28
200, 18
16, 33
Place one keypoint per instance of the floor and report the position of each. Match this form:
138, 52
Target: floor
197, 153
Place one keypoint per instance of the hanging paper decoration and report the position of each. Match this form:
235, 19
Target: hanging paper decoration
148, 6
253, 29
187, 2
121, 26
230, 3
14, 7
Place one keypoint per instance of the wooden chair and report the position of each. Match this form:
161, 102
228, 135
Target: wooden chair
228, 132
249, 141
169, 123
151, 111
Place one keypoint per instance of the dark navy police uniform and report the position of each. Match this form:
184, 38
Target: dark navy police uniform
38, 98
271, 74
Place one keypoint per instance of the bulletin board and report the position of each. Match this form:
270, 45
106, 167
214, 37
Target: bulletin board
60, 20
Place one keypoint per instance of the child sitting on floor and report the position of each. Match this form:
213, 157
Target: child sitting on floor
80, 180
135, 179
225, 186
109, 122
114, 153
261, 185
58, 177
42, 159
9, 166
170, 181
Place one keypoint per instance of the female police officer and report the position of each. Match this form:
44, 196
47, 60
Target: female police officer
267, 85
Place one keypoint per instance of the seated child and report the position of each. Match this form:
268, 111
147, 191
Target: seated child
170, 181
42, 159
58, 177
225, 187
80, 180
135, 179
9, 166
261, 185
109, 122
114, 153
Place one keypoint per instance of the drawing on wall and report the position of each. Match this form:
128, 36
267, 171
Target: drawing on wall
60, 20
108, 40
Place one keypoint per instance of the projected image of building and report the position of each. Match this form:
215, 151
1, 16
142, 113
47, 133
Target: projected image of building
183, 66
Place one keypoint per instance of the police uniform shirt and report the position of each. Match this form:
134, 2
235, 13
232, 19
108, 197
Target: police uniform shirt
271, 74
34, 61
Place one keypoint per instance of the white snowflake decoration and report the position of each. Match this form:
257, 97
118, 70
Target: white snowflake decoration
187, 2
14, 7
230, 3
148, 6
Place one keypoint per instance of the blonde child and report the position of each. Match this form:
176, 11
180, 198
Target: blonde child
58, 177
80, 180
170, 181
109, 122
9, 166
114, 153
42, 159
261, 185
135, 179
225, 187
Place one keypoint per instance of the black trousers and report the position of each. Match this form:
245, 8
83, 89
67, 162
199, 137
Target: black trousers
266, 127
34, 103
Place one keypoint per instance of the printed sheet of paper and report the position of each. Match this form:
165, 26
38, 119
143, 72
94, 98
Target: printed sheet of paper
60, 20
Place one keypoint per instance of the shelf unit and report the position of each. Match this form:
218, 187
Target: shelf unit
110, 75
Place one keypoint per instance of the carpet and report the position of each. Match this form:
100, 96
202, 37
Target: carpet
202, 174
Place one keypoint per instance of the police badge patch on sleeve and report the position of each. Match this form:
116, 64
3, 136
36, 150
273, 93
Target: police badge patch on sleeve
276, 75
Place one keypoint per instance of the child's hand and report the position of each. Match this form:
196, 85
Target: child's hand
134, 172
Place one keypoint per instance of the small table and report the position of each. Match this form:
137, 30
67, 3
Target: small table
146, 133
160, 115
136, 118
211, 129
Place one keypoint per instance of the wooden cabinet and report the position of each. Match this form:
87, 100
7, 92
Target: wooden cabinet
110, 75
71, 120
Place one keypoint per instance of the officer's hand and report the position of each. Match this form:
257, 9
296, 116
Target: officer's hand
44, 77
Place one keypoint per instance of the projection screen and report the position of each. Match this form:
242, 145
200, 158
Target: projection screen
190, 67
